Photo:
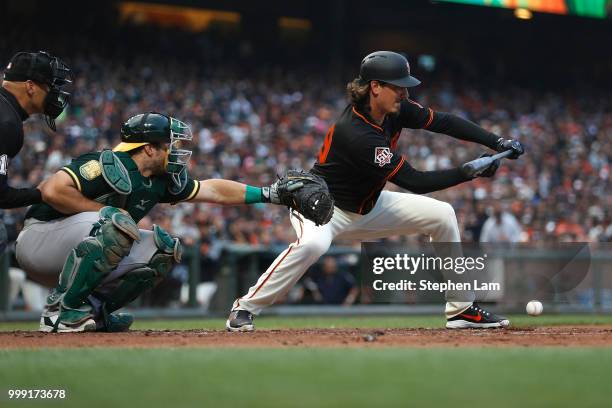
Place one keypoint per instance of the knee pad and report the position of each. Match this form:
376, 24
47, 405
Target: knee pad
136, 281
115, 232
130, 286
97, 255
122, 221
169, 252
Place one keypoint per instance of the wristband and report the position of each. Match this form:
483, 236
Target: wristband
253, 195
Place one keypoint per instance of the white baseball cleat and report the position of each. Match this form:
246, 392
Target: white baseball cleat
48, 318
49, 323
475, 317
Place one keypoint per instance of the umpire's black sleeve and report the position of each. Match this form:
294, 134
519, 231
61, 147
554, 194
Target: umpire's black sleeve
414, 116
423, 182
17, 197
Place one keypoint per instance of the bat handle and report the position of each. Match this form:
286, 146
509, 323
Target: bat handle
502, 154
472, 168
469, 169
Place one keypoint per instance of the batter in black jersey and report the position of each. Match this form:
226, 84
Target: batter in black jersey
357, 159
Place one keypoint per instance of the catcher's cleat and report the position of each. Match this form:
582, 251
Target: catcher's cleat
48, 318
474, 317
240, 321
115, 322
74, 320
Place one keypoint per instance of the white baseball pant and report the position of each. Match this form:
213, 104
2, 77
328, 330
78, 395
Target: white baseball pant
394, 214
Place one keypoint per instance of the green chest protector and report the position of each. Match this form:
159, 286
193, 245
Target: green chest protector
116, 176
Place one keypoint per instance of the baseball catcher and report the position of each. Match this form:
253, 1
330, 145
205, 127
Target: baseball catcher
87, 230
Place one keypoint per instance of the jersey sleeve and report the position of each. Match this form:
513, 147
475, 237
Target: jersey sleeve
9, 137
12, 197
189, 192
415, 116
86, 173
423, 182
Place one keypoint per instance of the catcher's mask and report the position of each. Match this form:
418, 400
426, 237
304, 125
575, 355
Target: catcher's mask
46, 69
153, 127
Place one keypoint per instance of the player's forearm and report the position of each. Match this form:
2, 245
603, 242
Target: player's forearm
73, 204
463, 129
67, 199
19, 197
227, 192
423, 182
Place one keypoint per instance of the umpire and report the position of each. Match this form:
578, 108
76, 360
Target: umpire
33, 82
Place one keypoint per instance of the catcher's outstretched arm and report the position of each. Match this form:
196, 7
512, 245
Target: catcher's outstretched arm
227, 192
302, 191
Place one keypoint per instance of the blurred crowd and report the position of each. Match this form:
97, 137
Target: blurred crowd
251, 128
251, 122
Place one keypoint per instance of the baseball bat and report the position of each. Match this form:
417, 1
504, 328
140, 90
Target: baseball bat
474, 167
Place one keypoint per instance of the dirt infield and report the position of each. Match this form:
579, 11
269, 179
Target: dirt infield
560, 336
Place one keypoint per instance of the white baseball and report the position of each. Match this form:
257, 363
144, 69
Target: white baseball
534, 308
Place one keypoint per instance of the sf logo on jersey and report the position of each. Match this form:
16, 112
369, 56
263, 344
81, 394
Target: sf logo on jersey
382, 156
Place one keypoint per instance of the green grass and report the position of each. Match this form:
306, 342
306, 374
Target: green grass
312, 377
273, 322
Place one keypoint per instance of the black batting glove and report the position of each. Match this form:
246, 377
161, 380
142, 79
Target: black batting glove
508, 144
489, 171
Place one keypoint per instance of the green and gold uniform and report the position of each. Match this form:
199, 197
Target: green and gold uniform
86, 172
103, 259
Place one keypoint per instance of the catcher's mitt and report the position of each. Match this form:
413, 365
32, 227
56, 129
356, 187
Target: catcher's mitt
306, 193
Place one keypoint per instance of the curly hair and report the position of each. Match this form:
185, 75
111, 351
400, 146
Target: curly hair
358, 92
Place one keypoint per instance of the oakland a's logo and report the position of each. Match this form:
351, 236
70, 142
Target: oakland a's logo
382, 156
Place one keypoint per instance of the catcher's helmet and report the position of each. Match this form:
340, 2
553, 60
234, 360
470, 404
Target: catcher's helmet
153, 127
139, 130
389, 67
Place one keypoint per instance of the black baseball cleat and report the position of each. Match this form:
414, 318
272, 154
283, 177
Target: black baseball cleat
475, 317
240, 321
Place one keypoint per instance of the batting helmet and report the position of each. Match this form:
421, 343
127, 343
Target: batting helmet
389, 67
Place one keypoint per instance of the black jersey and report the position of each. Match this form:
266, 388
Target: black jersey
12, 116
358, 156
